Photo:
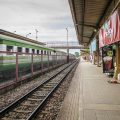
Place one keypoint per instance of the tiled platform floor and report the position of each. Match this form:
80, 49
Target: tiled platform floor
90, 96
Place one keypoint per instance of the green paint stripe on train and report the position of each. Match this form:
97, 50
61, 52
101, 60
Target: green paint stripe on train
22, 44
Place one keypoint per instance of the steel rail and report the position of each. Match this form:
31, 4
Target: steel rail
18, 101
41, 105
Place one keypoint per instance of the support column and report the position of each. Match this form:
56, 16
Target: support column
17, 67
117, 68
97, 46
32, 64
67, 47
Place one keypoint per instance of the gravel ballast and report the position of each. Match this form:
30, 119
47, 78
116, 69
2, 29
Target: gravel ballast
10, 96
53, 105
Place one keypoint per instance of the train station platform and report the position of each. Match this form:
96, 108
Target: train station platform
90, 96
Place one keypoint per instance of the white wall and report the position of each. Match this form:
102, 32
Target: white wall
2, 48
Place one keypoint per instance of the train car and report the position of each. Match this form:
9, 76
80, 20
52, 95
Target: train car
21, 57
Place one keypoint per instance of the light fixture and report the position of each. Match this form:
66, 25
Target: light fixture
36, 33
95, 30
28, 34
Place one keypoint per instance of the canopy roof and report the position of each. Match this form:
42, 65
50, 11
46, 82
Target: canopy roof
89, 15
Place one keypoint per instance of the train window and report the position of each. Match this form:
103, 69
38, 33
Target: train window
41, 51
37, 51
9, 48
33, 50
27, 50
19, 49
44, 52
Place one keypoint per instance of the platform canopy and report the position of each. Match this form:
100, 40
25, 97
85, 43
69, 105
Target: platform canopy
89, 15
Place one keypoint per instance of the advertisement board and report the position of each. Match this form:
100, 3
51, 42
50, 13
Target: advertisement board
93, 46
107, 57
110, 31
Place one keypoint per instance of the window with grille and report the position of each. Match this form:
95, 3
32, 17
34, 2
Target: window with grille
9, 48
19, 49
27, 50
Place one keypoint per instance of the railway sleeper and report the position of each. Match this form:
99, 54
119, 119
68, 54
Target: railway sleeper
30, 108
40, 94
38, 97
33, 99
48, 87
27, 104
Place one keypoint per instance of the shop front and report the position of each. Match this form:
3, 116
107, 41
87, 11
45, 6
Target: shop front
108, 58
109, 43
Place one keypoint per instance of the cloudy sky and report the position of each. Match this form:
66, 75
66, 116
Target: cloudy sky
49, 17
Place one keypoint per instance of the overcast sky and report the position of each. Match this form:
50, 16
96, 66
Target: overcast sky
49, 17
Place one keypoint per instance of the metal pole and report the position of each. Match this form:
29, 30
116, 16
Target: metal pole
36, 34
16, 67
67, 47
56, 58
41, 61
32, 64
48, 60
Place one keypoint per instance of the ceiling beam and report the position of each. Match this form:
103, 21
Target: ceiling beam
83, 17
87, 25
86, 36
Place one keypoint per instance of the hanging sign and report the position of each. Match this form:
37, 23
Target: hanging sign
110, 31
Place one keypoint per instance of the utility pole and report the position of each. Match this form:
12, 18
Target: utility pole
67, 46
36, 34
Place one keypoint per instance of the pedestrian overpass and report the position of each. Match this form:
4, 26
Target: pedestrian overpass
67, 47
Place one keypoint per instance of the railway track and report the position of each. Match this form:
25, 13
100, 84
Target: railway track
27, 106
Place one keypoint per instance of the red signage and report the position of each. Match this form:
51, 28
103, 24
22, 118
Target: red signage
110, 31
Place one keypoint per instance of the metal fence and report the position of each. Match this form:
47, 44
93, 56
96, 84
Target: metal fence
15, 67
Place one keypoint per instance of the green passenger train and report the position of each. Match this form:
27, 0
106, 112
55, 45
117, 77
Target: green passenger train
26, 56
